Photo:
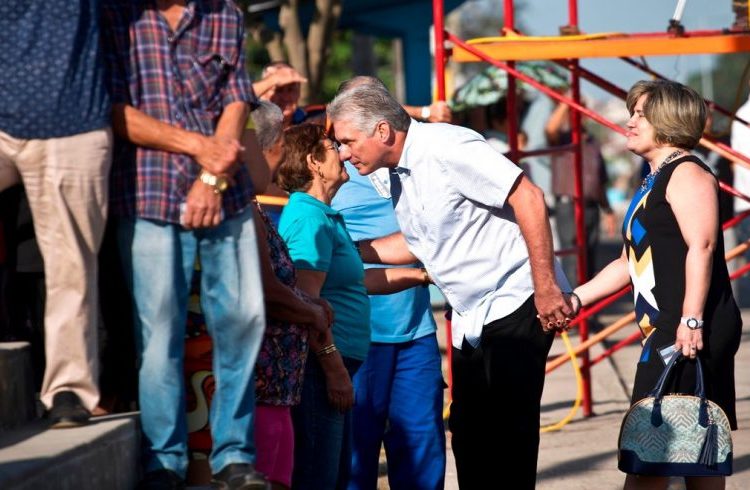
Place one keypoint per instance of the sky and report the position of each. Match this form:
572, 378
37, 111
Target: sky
543, 17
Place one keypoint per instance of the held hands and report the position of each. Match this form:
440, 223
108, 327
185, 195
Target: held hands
202, 207
554, 309
323, 319
218, 155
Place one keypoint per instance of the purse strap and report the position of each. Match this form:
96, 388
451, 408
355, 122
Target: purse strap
700, 392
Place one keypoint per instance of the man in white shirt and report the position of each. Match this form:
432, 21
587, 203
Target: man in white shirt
480, 228
741, 143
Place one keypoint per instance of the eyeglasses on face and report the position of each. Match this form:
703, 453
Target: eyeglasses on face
335, 146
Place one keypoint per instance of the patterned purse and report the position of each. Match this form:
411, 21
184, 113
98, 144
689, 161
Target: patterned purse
675, 435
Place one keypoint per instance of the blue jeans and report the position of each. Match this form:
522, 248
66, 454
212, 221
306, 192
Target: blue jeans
322, 434
399, 403
158, 261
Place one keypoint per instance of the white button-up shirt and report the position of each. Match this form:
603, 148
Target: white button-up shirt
451, 210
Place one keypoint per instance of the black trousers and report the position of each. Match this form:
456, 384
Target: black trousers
497, 391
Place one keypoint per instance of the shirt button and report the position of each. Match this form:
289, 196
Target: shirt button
170, 39
177, 116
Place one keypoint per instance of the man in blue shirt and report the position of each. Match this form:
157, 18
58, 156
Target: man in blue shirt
55, 138
400, 383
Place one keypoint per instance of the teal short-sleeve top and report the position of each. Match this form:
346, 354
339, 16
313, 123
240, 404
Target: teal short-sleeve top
317, 239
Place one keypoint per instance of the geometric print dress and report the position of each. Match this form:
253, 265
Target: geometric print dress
656, 253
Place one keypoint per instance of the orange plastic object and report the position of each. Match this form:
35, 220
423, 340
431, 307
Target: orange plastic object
559, 48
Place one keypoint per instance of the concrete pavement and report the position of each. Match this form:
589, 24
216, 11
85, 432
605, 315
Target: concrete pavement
583, 454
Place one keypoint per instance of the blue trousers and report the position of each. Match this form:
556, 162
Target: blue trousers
322, 434
158, 261
399, 403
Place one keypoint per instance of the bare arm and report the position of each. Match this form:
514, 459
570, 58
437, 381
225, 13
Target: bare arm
527, 202
555, 124
217, 154
281, 75
439, 112
692, 193
256, 163
281, 301
232, 122
609, 280
391, 249
393, 280
338, 383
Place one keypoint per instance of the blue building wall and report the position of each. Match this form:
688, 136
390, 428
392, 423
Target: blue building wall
409, 20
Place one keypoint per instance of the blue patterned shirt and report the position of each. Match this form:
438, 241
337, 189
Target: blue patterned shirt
51, 69
184, 78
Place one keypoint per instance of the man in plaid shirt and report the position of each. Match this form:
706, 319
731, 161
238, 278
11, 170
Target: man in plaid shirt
181, 98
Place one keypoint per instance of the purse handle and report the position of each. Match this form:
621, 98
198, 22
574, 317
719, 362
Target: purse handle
700, 392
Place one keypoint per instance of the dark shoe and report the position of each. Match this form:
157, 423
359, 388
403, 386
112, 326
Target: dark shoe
67, 411
161, 480
239, 476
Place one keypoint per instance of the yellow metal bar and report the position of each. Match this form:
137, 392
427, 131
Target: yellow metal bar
272, 200
560, 48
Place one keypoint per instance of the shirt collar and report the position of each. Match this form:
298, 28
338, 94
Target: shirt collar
402, 169
305, 198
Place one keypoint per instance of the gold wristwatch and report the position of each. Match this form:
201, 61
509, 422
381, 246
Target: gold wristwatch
218, 182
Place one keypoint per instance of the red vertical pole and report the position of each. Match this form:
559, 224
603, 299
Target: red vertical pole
438, 20
511, 103
577, 140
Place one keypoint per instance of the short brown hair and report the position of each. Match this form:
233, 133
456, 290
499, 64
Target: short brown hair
677, 112
300, 141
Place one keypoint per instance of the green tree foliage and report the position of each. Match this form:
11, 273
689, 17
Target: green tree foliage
338, 62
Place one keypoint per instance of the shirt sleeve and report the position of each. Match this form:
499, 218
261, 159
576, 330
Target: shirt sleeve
310, 243
113, 28
239, 87
477, 171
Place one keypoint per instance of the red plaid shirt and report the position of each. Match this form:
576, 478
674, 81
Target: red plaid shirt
184, 78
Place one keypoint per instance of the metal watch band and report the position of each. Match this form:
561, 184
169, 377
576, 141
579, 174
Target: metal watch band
691, 322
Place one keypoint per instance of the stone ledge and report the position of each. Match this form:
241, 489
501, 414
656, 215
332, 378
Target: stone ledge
17, 404
101, 455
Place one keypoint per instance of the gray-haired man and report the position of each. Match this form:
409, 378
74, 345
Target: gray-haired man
481, 230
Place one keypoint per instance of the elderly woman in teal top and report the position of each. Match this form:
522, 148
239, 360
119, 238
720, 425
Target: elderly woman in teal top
328, 266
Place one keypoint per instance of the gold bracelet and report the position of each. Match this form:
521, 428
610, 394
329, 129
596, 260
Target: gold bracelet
426, 279
328, 349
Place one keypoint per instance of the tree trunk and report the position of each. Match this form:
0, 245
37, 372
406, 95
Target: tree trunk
324, 20
271, 40
294, 41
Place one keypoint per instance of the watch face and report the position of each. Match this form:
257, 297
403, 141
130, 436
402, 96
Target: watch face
692, 323
221, 184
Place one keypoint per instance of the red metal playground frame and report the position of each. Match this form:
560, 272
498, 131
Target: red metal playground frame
666, 41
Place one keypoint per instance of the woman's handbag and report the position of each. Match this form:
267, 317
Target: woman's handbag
675, 435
